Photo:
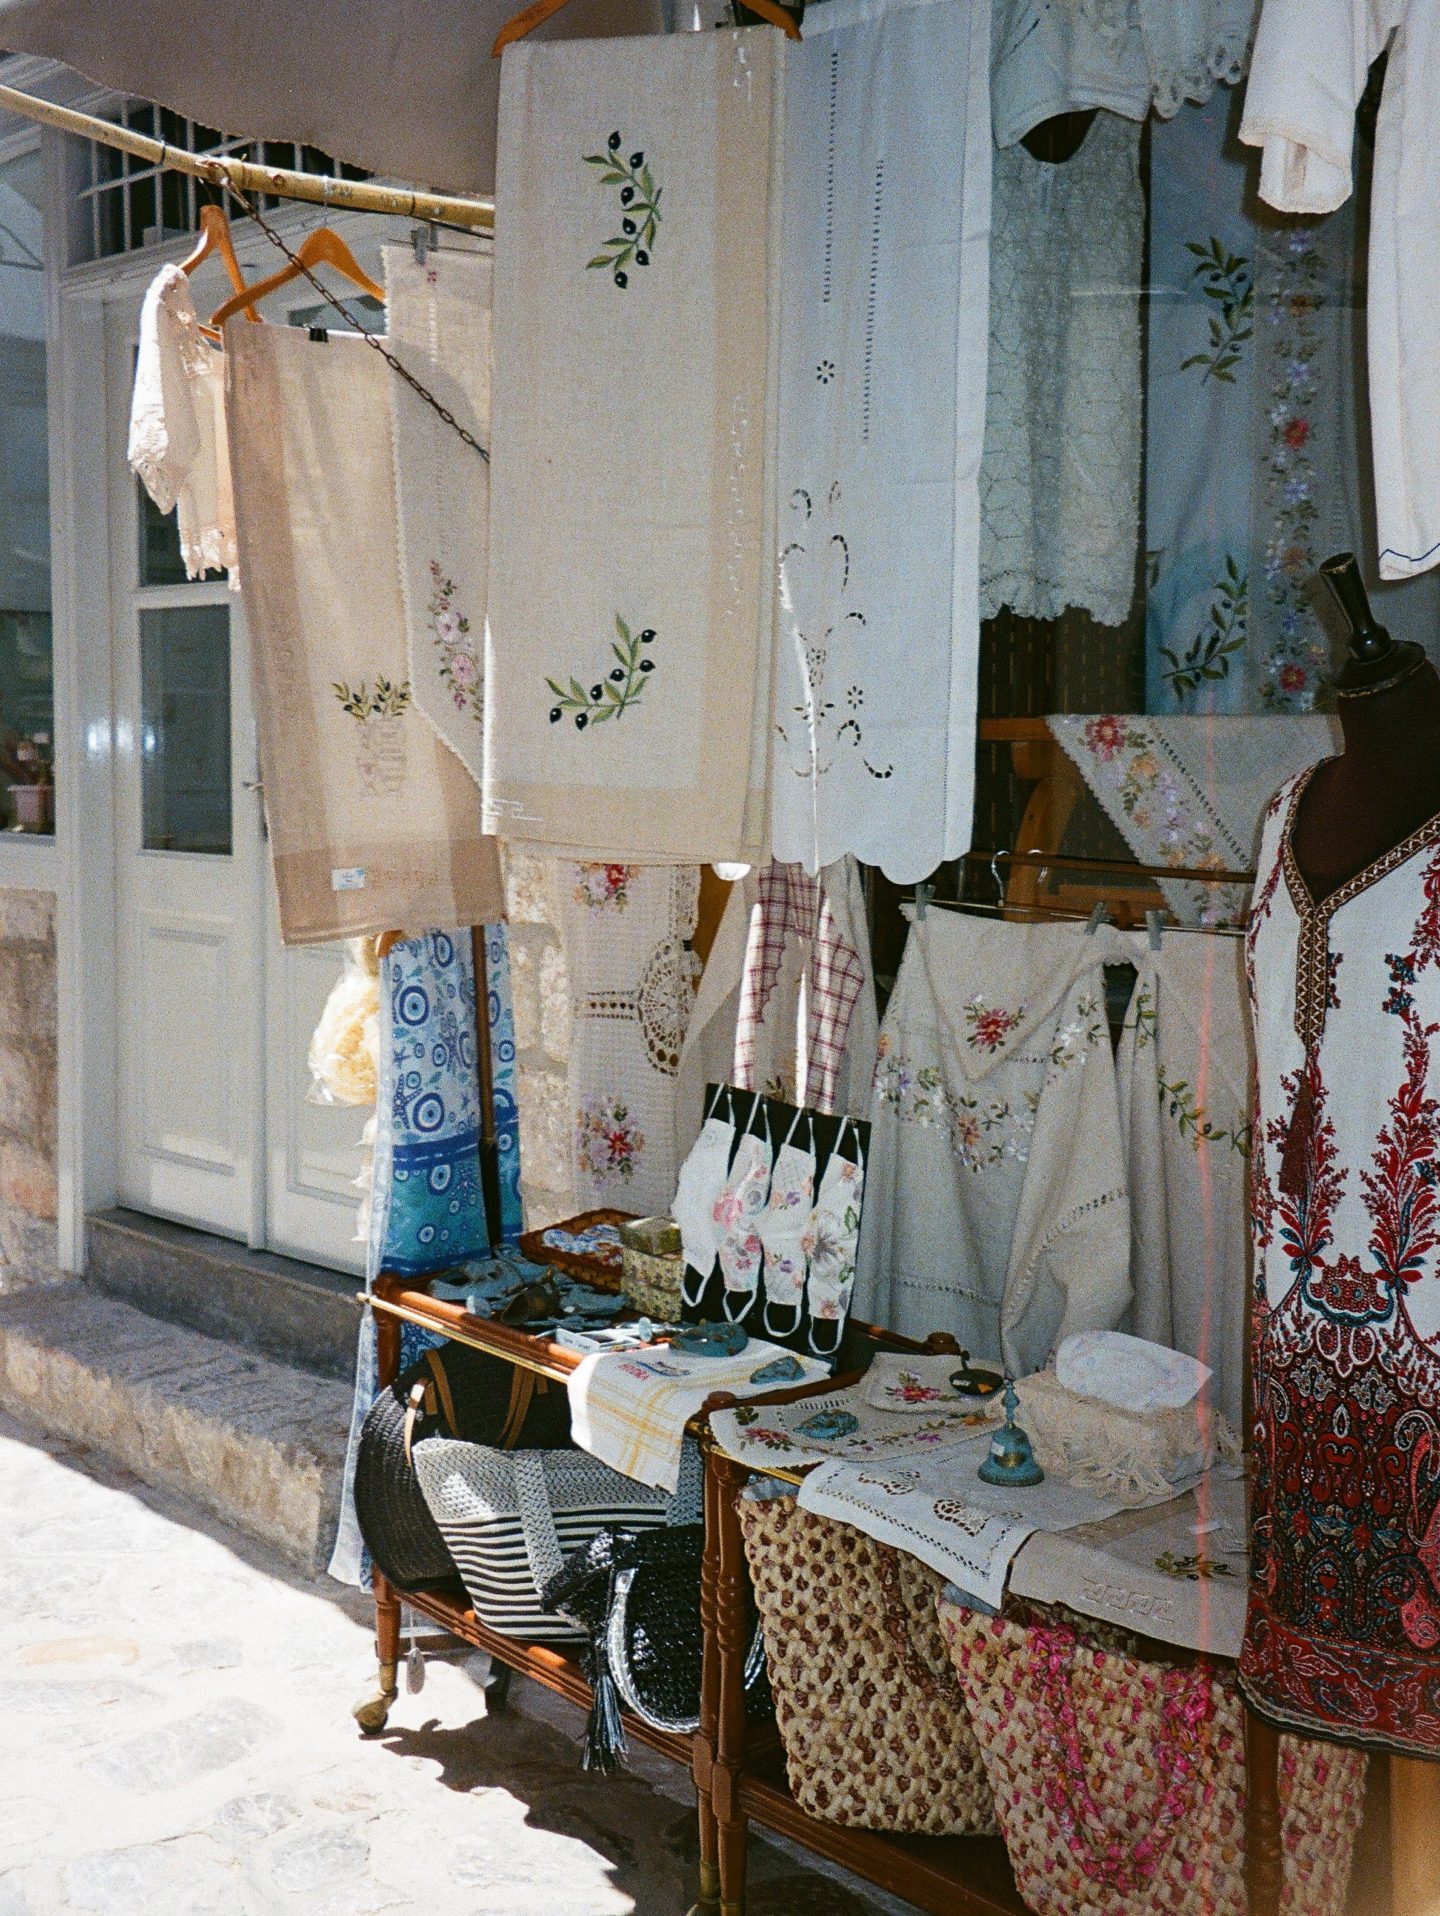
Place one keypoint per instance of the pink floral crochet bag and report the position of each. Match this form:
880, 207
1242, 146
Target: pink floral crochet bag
1119, 1784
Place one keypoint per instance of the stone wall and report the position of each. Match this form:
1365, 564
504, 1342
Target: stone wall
28, 1052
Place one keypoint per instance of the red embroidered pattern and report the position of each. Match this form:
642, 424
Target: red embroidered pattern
1343, 1632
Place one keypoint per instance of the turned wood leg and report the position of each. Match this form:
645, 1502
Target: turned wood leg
373, 1709
704, 1747
1414, 1836
731, 1634
1264, 1848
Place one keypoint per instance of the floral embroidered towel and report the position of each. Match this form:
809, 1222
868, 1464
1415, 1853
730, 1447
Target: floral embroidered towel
438, 316
1191, 791
624, 930
996, 1202
373, 822
884, 318
630, 556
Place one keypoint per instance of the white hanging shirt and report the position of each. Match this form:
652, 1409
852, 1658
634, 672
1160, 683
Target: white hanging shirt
178, 441
1312, 58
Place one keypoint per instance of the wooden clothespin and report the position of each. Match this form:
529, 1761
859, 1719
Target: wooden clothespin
1154, 925
1099, 915
923, 895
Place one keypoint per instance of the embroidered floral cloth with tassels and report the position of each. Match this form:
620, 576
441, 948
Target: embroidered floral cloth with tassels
996, 1204
1343, 1632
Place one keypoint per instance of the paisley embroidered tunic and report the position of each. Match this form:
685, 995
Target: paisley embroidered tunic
1343, 1632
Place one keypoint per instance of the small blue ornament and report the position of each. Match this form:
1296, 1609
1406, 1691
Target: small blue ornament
1011, 1460
711, 1340
780, 1370
828, 1425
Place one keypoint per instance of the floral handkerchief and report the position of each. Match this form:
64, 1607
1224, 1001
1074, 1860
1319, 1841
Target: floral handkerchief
915, 1384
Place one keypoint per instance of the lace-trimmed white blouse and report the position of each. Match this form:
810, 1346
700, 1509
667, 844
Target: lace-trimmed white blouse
178, 442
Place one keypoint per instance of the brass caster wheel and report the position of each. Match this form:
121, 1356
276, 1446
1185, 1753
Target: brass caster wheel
373, 1712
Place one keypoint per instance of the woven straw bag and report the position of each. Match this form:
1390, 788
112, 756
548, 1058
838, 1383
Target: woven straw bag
1120, 1784
870, 1713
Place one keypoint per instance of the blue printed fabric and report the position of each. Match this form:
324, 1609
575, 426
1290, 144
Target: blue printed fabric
428, 1209
501, 1010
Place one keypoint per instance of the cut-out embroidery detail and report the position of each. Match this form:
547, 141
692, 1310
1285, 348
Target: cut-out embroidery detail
814, 582
612, 696
380, 748
450, 630
639, 211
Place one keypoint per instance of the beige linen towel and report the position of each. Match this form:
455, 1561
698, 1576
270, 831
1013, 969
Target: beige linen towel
438, 313
631, 554
373, 823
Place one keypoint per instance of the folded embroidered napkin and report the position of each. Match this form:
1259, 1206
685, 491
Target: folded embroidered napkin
630, 1409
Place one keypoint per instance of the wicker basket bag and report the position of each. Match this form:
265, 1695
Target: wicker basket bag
1119, 1783
870, 1714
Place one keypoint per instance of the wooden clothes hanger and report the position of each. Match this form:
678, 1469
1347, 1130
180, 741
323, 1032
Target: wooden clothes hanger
539, 11
215, 238
323, 247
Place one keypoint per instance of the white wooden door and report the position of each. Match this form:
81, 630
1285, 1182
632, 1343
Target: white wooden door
214, 1126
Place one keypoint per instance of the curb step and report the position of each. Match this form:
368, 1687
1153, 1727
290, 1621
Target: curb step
256, 1442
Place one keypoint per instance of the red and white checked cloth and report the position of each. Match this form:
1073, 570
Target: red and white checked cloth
792, 904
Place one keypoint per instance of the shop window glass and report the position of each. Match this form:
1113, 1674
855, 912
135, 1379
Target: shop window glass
26, 676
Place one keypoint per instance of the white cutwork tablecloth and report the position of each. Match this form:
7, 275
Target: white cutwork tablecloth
883, 327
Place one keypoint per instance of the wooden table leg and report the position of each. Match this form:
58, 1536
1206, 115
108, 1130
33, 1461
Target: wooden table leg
1264, 1846
706, 1736
1414, 1836
731, 1633
372, 1711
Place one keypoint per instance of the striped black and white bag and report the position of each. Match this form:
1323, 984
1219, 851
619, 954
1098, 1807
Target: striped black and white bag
510, 1519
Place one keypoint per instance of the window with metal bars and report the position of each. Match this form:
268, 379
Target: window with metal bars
125, 204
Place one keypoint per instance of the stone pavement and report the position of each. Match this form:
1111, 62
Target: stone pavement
176, 1741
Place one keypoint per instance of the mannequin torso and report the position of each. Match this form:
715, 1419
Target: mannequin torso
1385, 784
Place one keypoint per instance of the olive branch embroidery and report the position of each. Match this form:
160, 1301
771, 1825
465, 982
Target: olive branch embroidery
639, 211
611, 696
386, 701
1228, 279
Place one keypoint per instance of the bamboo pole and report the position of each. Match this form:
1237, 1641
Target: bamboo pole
321, 189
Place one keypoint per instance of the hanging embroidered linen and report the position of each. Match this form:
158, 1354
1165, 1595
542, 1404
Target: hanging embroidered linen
1254, 329
438, 316
179, 446
625, 931
807, 1028
1185, 1072
1311, 66
1060, 479
541, 1013
1342, 1637
1192, 791
1053, 57
373, 822
997, 1196
883, 322
630, 581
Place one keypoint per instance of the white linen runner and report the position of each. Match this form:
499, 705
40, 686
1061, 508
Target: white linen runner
631, 580
438, 316
884, 302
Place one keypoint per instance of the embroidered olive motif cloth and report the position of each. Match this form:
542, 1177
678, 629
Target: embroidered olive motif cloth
997, 1205
883, 328
438, 313
631, 569
374, 824
1343, 1631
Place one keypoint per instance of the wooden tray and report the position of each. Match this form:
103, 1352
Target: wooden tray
603, 1270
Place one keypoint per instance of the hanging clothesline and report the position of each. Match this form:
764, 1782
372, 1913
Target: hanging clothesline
319, 189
